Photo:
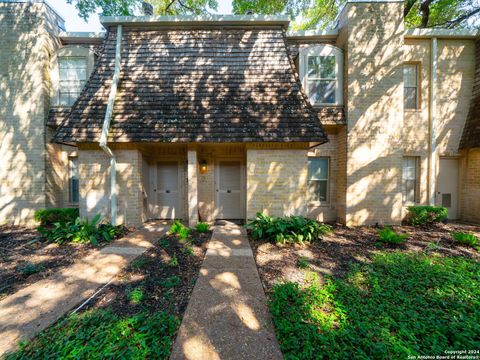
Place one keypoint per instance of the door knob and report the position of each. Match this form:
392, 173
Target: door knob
229, 191
168, 191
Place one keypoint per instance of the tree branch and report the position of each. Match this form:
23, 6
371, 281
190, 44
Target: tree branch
425, 10
186, 6
452, 23
408, 6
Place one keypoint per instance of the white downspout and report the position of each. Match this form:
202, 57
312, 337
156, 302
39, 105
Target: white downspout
106, 127
432, 158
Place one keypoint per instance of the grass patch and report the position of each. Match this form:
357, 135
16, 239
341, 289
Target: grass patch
399, 305
467, 239
303, 263
388, 236
30, 269
100, 334
170, 282
136, 295
173, 262
139, 263
202, 227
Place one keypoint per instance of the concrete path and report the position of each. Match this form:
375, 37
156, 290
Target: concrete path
34, 308
227, 315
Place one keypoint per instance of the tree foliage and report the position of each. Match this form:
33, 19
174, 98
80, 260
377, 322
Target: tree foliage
305, 14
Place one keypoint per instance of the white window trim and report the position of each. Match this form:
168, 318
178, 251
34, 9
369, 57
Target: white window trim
318, 202
323, 50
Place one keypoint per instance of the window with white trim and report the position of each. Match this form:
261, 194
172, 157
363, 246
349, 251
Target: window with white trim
410, 179
73, 76
318, 178
321, 68
73, 181
410, 86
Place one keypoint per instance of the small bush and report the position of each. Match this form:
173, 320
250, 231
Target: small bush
303, 263
421, 215
466, 239
136, 295
173, 261
139, 263
81, 231
176, 227
170, 282
183, 233
164, 243
30, 269
202, 227
388, 236
188, 251
292, 229
48, 217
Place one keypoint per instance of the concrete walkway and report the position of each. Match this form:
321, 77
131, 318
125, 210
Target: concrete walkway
34, 308
227, 315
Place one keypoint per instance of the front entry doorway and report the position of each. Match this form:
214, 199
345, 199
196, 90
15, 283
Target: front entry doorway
447, 186
166, 190
229, 189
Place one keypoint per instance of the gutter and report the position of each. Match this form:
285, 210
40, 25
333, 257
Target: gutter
106, 127
432, 159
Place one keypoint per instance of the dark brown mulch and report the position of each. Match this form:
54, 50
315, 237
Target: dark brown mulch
22, 249
166, 284
334, 254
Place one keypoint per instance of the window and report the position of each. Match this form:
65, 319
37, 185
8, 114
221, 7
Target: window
321, 69
410, 84
73, 190
410, 179
318, 173
73, 75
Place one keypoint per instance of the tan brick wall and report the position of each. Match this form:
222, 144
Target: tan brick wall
470, 186
374, 104
25, 46
94, 168
276, 182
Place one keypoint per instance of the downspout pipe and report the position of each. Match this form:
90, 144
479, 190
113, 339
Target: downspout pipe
432, 158
106, 128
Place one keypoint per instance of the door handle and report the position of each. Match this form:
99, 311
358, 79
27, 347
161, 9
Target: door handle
168, 191
229, 191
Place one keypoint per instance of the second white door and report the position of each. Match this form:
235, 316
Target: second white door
229, 194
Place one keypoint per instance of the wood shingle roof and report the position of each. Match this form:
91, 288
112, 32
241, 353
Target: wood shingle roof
228, 84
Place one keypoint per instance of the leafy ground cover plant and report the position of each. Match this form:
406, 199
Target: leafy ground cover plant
399, 305
389, 236
30, 269
100, 334
202, 227
81, 231
303, 263
292, 229
136, 295
467, 239
422, 215
56, 215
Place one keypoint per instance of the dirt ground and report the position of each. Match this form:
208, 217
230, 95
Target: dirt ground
25, 258
165, 274
344, 246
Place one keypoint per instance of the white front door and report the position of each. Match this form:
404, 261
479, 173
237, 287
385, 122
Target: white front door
229, 192
447, 186
166, 191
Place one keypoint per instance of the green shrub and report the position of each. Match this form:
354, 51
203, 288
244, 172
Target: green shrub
388, 236
421, 215
466, 239
81, 231
398, 306
292, 229
183, 233
139, 263
176, 227
303, 263
173, 262
170, 282
136, 295
30, 269
48, 217
188, 250
101, 334
202, 227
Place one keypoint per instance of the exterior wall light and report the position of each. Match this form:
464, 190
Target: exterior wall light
203, 166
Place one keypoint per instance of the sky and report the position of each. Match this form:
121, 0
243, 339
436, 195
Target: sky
74, 23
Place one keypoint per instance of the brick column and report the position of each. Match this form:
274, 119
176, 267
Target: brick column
192, 187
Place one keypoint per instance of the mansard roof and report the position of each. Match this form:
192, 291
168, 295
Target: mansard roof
195, 83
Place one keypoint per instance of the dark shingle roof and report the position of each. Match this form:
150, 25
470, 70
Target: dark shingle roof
57, 116
196, 85
471, 131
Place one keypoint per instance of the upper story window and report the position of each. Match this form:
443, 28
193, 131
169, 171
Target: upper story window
410, 87
321, 70
73, 75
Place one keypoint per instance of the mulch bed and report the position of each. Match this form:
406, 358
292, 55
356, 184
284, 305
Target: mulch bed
165, 274
334, 254
22, 247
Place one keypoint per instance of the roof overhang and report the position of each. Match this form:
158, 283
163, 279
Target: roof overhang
193, 20
441, 33
313, 35
82, 37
